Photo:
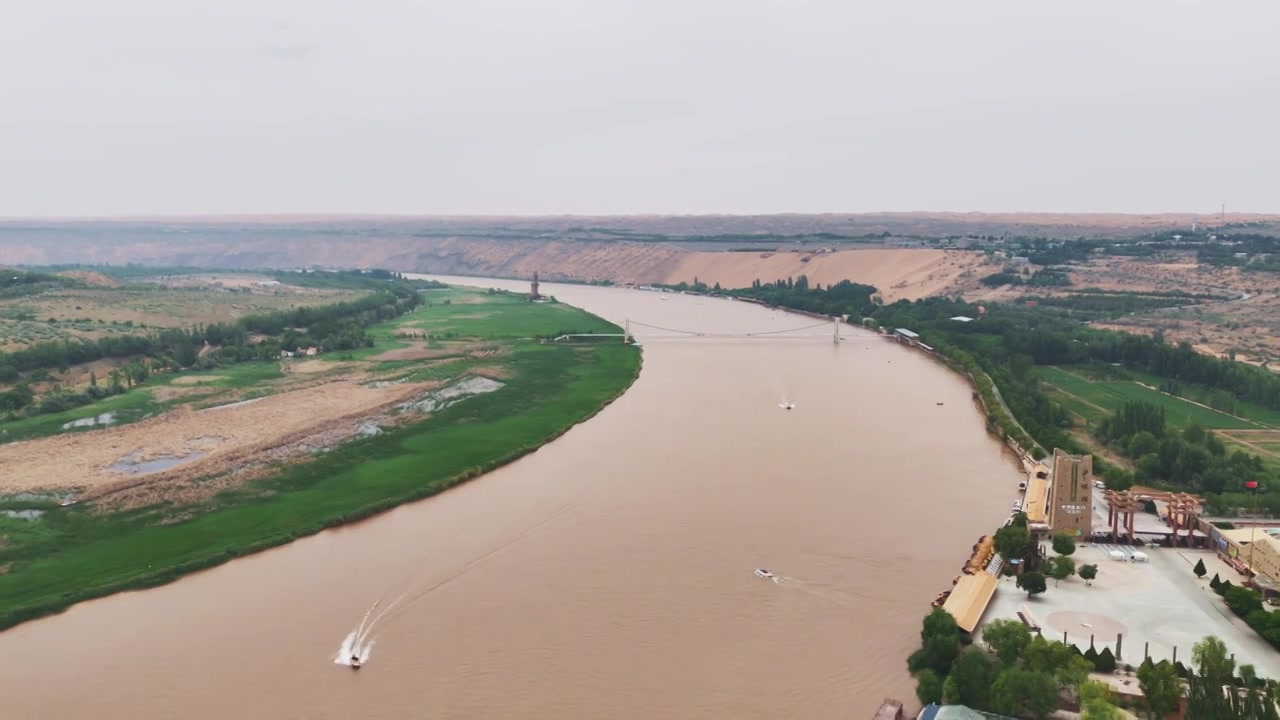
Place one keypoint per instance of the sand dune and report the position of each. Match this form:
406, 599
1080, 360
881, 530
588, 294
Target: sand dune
898, 273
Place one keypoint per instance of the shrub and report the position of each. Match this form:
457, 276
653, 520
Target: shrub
1088, 573
1106, 662
1092, 656
928, 687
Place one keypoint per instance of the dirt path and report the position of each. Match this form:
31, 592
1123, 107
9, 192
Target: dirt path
1073, 396
1256, 448
1084, 437
1275, 434
1154, 389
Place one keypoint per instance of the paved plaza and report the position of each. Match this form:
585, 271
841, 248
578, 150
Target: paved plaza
1159, 603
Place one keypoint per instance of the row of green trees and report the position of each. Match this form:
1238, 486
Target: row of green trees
1007, 342
1008, 331
336, 327
842, 298
1098, 305
984, 348
1247, 604
1015, 542
24, 283
1021, 676
1048, 277
318, 324
1024, 675
1193, 458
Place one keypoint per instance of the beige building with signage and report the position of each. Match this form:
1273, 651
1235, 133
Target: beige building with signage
1070, 497
1254, 548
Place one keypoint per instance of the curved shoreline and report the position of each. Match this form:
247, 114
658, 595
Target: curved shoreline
212, 555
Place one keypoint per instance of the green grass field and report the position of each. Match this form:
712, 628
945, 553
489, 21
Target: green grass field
504, 316
1248, 411
1110, 395
240, 375
1076, 405
129, 407
72, 554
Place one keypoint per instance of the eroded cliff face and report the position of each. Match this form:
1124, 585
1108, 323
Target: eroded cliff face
897, 273
620, 261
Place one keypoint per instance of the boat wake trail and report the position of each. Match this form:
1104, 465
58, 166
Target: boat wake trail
406, 594
810, 589
351, 647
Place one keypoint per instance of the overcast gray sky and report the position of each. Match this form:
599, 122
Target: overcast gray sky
634, 106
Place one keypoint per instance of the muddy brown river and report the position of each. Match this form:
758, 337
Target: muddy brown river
623, 586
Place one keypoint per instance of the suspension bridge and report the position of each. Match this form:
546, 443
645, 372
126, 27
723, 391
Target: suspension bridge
659, 332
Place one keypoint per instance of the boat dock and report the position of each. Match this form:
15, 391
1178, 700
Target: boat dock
890, 709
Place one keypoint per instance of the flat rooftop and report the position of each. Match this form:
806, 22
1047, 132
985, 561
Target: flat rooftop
1035, 506
969, 599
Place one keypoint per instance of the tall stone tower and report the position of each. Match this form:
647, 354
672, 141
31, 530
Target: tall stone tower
1071, 494
533, 288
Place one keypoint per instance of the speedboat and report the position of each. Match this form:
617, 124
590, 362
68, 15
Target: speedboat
355, 662
786, 405
761, 572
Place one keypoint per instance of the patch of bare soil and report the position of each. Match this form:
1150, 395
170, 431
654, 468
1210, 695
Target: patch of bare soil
495, 372
468, 300
1244, 323
1253, 440
229, 437
415, 351
311, 367
196, 379
164, 393
420, 351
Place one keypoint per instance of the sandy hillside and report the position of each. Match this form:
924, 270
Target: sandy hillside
899, 274
621, 262
587, 227
90, 278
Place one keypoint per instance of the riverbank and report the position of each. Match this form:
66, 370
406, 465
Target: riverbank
624, 550
536, 392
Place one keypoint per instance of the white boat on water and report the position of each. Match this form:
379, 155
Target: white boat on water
786, 405
761, 572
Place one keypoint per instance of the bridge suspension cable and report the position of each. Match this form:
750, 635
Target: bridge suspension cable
694, 333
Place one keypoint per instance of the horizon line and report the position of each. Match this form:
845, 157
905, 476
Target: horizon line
1206, 217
